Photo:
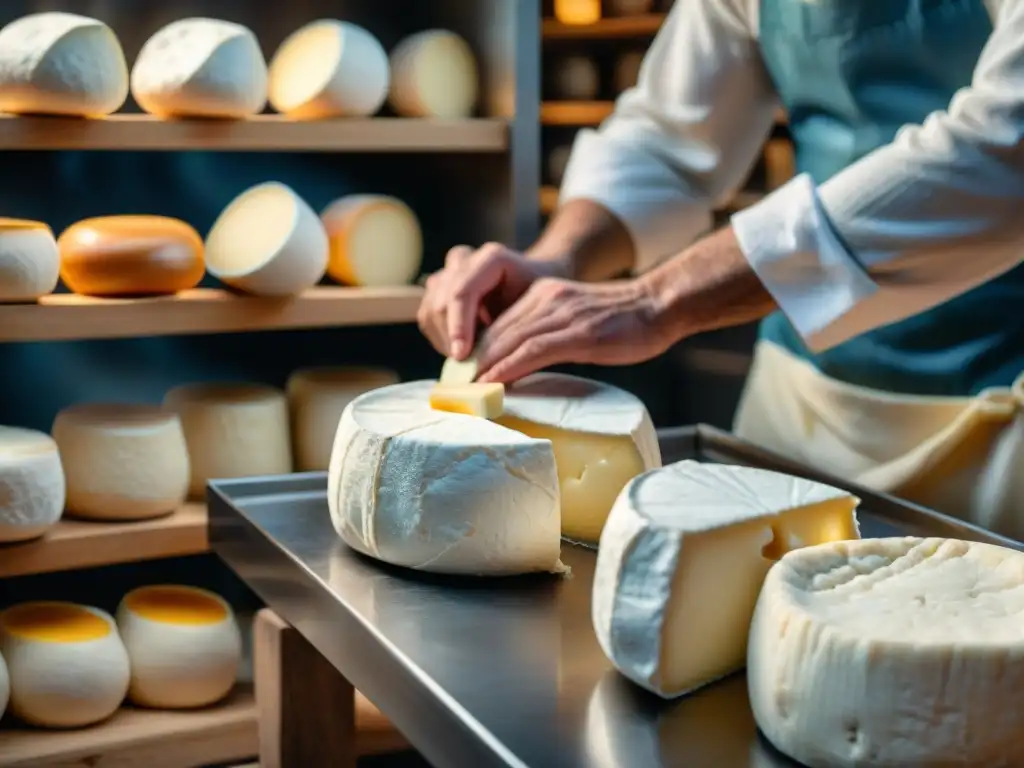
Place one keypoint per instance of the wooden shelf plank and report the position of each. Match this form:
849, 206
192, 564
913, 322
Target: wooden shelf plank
204, 310
549, 201
590, 113
272, 133
644, 25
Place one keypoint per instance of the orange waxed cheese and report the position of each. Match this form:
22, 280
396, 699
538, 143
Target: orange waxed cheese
176, 605
12, 224
53, 622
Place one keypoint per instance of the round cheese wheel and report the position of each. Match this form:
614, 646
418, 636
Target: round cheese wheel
67, 664
317, 397
891, 652
375, 241
201, 68
268, 242
29, 260
232, 430
184, 645
61, 64
627, 70
130, 256
558, 161
122, 462
329, 69
434, 74
32, 488
576, 78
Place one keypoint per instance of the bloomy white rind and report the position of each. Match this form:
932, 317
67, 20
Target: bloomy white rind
410, 56
32, 484
29, 263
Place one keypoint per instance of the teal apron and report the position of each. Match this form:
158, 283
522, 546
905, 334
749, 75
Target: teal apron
851, 73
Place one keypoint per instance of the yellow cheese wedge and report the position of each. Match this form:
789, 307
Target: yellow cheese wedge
484, 400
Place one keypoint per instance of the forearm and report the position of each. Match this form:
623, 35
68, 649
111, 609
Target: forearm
586, 242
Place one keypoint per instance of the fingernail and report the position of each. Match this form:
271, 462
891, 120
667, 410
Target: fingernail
458, 348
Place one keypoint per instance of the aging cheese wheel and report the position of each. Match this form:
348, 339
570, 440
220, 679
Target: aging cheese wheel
375, 241
122, 462
329, 69
29, 260
268, 242
184, 645
576, 78
434, 74
67, 664
61, 64
201, 68
32, 489
578, 11
130, 256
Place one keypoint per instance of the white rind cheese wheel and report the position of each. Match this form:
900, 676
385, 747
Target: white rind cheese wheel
201, 68
375, 241
232, 430
268, 242
317, 397
891, 652
29, 260
434, 74
682, 560
61, 64
122, 462
32, 489
329, 69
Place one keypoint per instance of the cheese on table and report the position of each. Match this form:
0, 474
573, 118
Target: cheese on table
32, 489
61, 64
130, 256
891, 652
122, 461
68, 667
29, 260
682, 560
375, 241
184, 645
576, 78
232, 430
268, 242
486, 401
201, 68
5, 686
329, 69
317, 397
434, 74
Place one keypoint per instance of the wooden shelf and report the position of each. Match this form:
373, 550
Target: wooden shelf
645, 25
590, 113
272, 133
744, 199
204, 310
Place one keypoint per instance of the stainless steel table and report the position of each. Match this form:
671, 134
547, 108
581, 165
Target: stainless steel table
504, 672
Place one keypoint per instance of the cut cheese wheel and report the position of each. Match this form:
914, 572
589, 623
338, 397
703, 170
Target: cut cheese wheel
268, 242
891, 652
576, 78
29, 260
232, 430
317, 397
375, 241
122, 462
32, 489
434, 74
130, 256
201, 68
683, 557
485, 401
329, 69
61, 64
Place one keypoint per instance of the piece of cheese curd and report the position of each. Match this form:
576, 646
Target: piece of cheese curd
486, 401
892, 652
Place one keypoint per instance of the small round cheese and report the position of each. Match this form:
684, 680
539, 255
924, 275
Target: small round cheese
434, 74
32, 489
61, 64
891, 652
5, 686
29, 260
232, 430
329, 69
201, 68
122, 462
67, 664
268, 242
576, 78
130, 256
184, 645
374, 241
317, 397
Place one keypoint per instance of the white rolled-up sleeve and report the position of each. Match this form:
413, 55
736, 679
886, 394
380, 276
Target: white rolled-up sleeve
938, 211
686, 136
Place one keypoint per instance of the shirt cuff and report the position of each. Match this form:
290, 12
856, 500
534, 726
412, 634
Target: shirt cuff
790, 244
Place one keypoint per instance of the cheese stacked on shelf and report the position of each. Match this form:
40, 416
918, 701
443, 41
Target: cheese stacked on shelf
375, 241
434, 74
61, 64
891, 652
682, 560
576, 78
32, 487
29, 260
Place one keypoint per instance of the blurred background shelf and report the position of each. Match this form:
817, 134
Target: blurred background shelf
644, 25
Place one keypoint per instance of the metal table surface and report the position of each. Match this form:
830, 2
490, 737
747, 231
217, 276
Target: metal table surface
486, 672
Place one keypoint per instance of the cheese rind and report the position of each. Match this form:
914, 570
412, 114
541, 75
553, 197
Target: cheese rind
434, 74
375, 240
29, 260
891, 652
32, 487
682, 559
485, 401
